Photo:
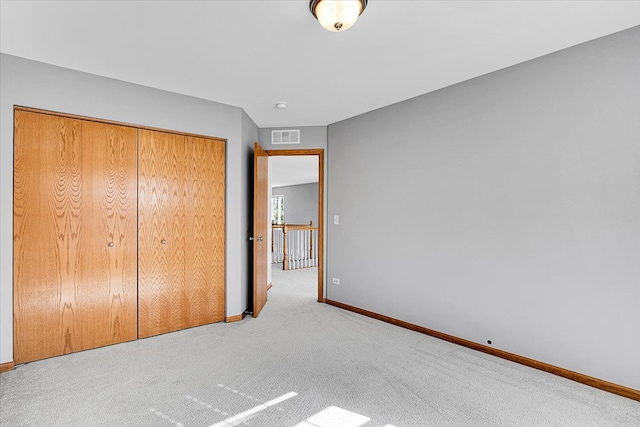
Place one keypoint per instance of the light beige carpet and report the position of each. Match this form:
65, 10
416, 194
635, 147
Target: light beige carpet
301, 364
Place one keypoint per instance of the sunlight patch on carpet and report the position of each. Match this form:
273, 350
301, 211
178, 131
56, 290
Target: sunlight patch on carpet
236, 419
334, 416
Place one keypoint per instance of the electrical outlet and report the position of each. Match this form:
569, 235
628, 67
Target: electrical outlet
335, 281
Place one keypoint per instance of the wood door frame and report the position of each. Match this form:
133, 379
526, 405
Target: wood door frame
320, 153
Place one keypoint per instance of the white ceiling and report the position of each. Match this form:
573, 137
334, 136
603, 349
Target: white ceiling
252, 54
293, 170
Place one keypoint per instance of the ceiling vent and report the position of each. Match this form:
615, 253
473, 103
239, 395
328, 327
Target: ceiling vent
287, 136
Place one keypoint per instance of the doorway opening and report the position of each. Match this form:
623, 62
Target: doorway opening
319, 249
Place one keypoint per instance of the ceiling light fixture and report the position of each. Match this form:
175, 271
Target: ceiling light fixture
337, 15
281, 105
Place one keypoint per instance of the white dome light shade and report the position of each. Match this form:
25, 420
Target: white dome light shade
337, 15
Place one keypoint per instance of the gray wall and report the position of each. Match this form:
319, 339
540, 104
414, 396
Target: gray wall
249, 137
300, 203
506, 208
310, 137
33, 84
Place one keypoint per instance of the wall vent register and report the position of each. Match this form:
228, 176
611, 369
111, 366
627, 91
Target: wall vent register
285, 136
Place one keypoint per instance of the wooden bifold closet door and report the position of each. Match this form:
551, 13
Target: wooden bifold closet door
74, 235
181, 232
119, 233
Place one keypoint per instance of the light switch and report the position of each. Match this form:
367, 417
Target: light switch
336, 219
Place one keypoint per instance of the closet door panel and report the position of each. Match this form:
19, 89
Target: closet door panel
47, 231
74, 193
162, 300
205, 215
181, 232
108, 255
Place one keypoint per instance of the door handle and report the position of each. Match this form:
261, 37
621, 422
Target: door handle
259, 238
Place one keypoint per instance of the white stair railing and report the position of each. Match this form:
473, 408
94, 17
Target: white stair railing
295, 245
277, 243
